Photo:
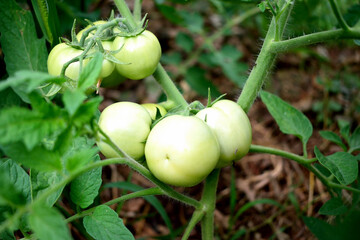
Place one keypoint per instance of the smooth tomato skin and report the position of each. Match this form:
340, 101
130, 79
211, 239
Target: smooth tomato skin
181, 150
140, 55
232, 128
108, 67
61, 54
112, 80
152, 109
128, 126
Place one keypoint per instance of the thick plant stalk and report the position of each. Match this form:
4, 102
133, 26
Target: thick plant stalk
265, 60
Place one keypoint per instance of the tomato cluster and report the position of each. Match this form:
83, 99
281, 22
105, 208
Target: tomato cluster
179, 150
136, 57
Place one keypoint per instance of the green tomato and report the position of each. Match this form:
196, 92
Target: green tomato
140, 55
112, 80
181, 150
152, 108
61, 54
128, 126
81, 32
232, 128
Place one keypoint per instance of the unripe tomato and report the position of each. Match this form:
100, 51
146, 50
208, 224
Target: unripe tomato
232, 128
140, 55
152, 108
61, 54
128, 126
181, 150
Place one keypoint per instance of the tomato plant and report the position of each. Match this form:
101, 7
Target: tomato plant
128, 125
140, 55
231, 127
181, 150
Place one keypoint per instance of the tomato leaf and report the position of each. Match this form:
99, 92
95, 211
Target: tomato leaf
49, 160
322, 229
104, 224
354, 140
333, 138
21, 47
343, 165
48, 223
29, 127
91, 72
72, 100
41, 182
15, 184
334, 206
289, 119
85, 188
185, 41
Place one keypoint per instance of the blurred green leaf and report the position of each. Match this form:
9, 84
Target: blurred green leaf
184, 41
21, 47
289, 119
48, 223
104, 224
321, 229
343, 165
197, 80
171, 58
352, 16
192, 21
333, 207
91, 72
354, 140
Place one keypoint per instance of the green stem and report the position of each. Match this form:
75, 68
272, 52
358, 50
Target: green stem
141, 193
208, 200
264, 62
338, 15
286, 45
196, 217
169, 87
278, 152
125, 12
137, 10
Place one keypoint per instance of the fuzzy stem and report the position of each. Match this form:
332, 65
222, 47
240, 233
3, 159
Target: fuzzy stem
169, 87
208, 200
265, 60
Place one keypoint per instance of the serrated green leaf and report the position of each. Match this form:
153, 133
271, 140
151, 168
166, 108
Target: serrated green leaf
30, 127
197, 80
85, 188
104, 224
20, 45
333, 207
72, 100
343, 165
333, 138
289, 119
37, 158
91, 72
41, 182
87, 111
185, 41
48, 223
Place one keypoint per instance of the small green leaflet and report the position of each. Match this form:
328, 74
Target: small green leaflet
343, 165
354, 140
90, 73
333, 138
289, 119
104, 224
47, 223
